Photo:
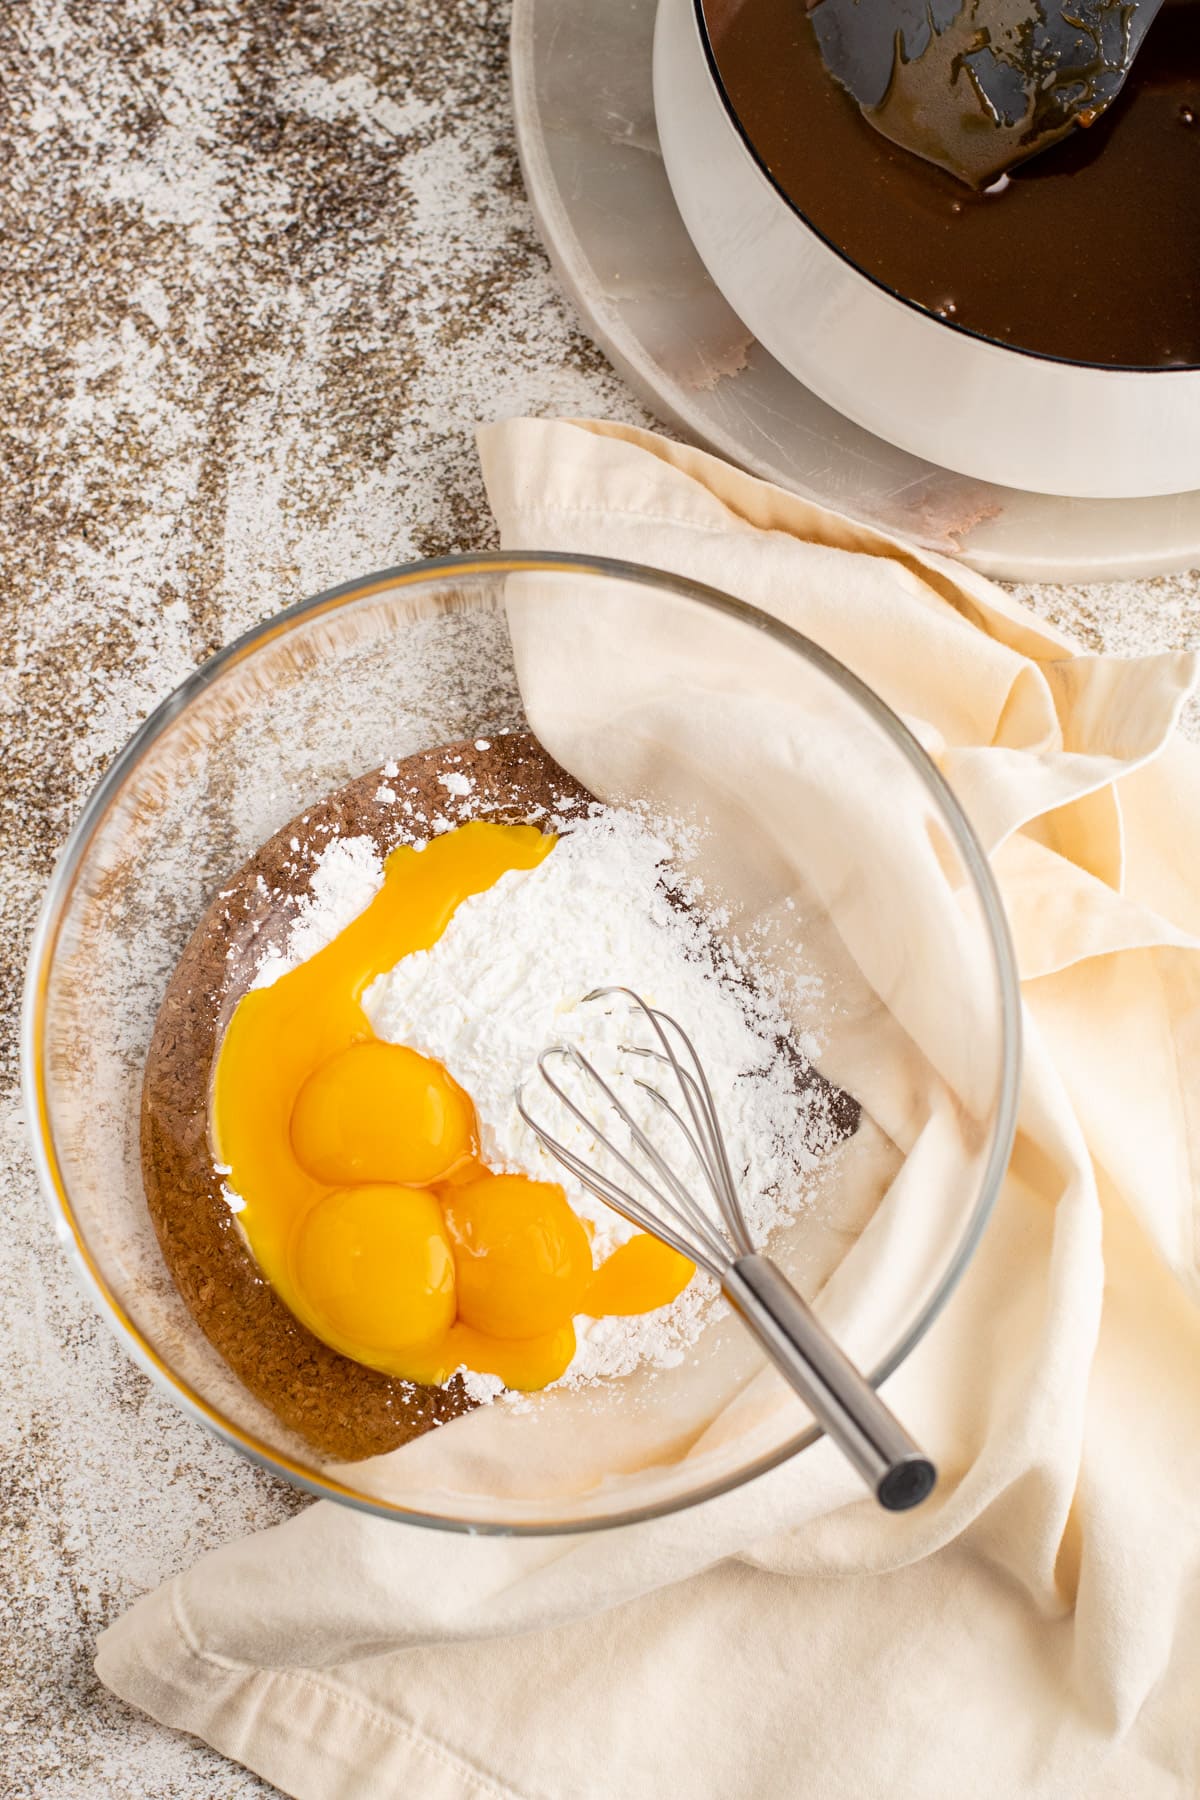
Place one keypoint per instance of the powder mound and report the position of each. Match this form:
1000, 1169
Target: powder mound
510, 975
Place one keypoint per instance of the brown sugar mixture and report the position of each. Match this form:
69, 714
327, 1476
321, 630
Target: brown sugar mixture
1089, 251
344, 1409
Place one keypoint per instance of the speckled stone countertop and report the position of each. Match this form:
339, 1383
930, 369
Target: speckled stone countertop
265, 264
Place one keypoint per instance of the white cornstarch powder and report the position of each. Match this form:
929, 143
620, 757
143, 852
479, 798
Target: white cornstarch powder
510, 975
347, 877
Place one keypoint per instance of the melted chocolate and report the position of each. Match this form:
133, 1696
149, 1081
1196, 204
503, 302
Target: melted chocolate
977, 86
1090, 251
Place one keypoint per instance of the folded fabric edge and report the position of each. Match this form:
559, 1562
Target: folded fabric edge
309, 1737
978, 600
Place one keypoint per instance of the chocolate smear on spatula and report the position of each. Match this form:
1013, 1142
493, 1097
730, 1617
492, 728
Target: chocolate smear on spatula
977, 86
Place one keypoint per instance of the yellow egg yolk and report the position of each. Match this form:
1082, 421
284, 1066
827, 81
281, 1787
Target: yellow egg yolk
376, 1265
520, 1255
638, 1277
380, 1112
366, 1204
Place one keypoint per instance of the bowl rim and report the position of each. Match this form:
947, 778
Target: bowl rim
70, 865
700, 14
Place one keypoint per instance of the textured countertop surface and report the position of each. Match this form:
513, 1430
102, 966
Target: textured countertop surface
265, 264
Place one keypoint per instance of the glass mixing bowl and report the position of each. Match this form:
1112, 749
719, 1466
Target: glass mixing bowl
827, 834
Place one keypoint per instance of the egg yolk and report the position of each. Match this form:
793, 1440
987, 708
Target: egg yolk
520, 1255
376, 1266
366, 1204
638, 1277
380, 1112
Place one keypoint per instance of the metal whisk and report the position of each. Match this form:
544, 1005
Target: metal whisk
899, 1474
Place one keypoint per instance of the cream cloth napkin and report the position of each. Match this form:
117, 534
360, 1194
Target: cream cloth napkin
1033, 1631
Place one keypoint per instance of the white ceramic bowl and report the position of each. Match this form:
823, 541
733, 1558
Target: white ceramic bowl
930, 386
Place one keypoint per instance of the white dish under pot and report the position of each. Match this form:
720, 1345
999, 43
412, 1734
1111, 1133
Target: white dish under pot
928, 385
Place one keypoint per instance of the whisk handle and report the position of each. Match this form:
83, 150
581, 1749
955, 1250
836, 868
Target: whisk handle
843, 1402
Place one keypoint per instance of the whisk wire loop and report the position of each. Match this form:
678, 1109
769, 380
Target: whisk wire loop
700, 1151
614, 1196
708, 1153
678, 1205
701, 1106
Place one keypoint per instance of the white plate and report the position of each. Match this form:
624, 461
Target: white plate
589, 151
